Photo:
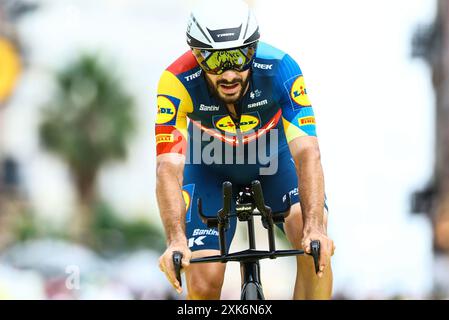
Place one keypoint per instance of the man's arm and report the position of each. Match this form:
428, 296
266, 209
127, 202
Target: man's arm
172, 208
169, 174
306, 154
174, 103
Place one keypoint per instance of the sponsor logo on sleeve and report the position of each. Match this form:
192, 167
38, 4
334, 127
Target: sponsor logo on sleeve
187, 195
164, 137
298, 92
263, 66
166, 109
305, 121
187, 199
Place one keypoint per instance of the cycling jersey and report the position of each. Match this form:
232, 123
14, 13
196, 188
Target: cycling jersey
276, 99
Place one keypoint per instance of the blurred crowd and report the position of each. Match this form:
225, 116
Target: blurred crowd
55, 269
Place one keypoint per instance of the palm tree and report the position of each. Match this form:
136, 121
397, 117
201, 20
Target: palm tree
87, 124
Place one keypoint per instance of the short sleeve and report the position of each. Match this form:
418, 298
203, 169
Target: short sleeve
173, 105
297, 114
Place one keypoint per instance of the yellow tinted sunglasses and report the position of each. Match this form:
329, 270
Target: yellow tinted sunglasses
218, 61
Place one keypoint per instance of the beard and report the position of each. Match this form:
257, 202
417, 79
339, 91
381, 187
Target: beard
226, 98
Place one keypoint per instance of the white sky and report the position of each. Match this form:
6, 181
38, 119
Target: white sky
374, 108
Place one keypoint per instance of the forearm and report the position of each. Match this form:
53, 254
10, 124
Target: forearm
311, 188
171, 204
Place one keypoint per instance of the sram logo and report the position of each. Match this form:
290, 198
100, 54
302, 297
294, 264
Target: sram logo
247, 123
258, 104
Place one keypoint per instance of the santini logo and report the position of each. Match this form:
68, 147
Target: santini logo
258, 104
209, 108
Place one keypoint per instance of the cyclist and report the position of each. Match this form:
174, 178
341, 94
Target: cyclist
233, 92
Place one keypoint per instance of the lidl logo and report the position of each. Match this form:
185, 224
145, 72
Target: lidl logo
166, 110
306, 121
247, 123
164, 137
299, 92
187, 199
187, 194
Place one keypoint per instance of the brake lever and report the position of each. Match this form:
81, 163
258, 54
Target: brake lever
315, 248
177, 262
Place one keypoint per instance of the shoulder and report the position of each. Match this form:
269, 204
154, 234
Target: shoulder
175, 80
280, 63
185, 68
180, 74
268, 52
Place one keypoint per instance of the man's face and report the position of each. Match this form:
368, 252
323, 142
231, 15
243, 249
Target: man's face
230, 86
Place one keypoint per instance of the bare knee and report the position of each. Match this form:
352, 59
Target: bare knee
204, 281
204, 286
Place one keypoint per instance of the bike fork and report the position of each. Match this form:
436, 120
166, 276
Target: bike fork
251, 287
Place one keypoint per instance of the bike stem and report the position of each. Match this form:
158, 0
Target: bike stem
251, 236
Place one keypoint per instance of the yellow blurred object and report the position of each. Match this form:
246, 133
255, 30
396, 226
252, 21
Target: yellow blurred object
9, 68
4, 293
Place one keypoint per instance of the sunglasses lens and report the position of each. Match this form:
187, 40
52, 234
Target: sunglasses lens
218, 61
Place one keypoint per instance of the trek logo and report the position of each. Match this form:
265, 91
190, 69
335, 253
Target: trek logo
225, 35
198, 241
209, 108
263, 66
193, 76
258, 104
293, 192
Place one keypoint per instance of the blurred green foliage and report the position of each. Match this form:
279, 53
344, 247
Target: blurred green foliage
90, 118
88, 124
109, 234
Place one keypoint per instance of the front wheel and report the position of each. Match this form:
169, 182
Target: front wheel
252, 291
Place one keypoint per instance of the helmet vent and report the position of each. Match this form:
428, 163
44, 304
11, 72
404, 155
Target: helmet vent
201, 29
247, 25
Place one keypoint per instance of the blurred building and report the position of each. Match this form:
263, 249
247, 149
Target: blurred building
10, 69
432, 44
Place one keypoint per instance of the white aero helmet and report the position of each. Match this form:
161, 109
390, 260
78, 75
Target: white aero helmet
219, 25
